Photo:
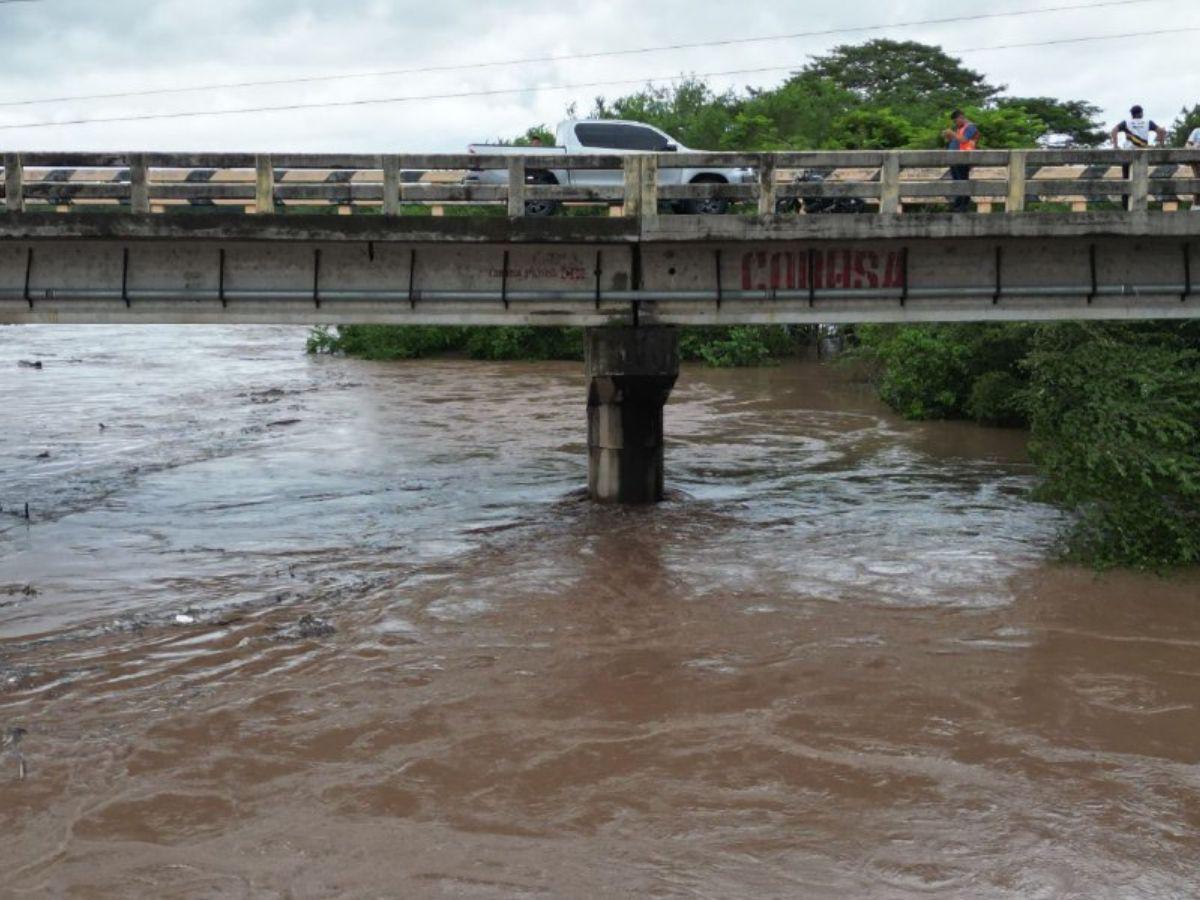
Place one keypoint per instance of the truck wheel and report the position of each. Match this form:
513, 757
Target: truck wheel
539, 209
708, 206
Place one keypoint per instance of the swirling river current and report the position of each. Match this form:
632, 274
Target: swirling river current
288, 626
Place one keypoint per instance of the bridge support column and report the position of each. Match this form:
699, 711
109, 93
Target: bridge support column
630, 375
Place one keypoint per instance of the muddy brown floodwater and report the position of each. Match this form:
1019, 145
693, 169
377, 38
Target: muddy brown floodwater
837, 663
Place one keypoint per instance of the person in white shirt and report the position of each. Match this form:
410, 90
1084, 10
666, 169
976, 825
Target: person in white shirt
1137, 130
1193, 143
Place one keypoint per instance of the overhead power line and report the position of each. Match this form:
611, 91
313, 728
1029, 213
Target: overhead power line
380, 101
598, 54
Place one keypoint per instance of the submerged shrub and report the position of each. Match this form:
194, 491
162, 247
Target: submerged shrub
998, 398
949, 371
740, 345
386, 341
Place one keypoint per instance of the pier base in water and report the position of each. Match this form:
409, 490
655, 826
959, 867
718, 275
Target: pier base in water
630, 374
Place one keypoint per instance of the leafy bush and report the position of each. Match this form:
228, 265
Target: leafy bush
998, 398
931, 371
922, 372
524, 343
871, 129
740, 345
321, 340
1116, 431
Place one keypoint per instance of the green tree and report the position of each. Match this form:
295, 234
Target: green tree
798, 115
1076, 118
1007, 128
871, 129
753, 131
535, 132
689, 111
919, 79
1187, 120
999, 129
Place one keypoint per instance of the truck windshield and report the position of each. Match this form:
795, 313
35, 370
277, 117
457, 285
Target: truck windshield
616, 136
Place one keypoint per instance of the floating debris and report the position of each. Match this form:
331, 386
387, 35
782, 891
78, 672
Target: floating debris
271, 395
11, 743
185, 618
308, 628
280, 422
14, 678
29, 364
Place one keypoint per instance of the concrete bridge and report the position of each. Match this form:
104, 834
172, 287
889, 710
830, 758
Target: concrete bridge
229, 238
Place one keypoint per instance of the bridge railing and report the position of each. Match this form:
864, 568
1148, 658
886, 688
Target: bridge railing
633, 185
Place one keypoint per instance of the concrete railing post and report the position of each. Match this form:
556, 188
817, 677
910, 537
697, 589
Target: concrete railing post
516, 186
14, 183
391, 185
1139, 183
139, 184
889, 185
766, 185
264, 184
1017, 160
649, 188
632, 200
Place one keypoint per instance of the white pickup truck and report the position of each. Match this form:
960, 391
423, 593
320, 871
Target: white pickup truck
608, 137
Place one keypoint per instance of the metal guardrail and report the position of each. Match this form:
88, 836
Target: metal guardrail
888, 181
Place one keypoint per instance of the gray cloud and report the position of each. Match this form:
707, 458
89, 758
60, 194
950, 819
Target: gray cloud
67, 47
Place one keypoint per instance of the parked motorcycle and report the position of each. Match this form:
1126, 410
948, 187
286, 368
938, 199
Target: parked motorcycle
814, 205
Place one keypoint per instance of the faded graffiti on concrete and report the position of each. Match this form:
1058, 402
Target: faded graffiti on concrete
838, 268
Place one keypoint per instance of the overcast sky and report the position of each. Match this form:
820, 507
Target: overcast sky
63, 48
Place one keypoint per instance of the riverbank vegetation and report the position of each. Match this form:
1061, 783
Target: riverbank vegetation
1113, 411
741, 345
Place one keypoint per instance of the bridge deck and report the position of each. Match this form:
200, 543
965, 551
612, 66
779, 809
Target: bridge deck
120, 250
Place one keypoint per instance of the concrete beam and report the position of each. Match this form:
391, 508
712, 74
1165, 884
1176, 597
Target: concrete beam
222, 226
667, 283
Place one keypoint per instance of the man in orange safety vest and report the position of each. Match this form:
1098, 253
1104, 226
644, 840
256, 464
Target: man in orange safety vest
963, 136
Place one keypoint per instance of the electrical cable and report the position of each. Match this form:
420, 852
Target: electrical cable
335, 104
599, 54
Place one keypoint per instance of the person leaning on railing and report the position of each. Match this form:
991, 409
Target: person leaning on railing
1193, 143
963, 136
1137, 130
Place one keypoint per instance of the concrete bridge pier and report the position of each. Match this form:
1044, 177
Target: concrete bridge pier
630, 375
